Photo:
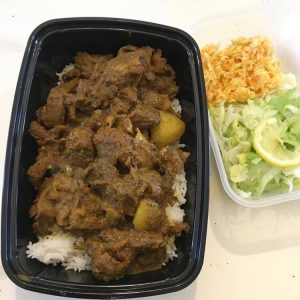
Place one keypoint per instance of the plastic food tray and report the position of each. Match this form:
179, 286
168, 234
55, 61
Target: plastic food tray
277, 22
50, 47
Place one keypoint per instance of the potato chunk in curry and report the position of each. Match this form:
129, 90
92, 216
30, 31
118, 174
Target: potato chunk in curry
169, 130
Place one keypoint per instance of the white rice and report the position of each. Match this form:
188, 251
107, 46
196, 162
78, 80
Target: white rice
174, 213
177, 145
170, 250
60, 247
176, 106
180, 187
66, 69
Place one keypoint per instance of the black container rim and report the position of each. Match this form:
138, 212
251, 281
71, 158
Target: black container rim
74, 290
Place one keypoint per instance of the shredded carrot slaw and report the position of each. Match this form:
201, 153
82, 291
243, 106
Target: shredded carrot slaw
246, 69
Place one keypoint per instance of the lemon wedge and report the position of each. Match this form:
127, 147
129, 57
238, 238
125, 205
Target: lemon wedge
270, 147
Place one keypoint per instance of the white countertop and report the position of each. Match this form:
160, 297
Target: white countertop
250, 253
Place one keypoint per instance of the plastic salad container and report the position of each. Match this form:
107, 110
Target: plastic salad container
50, 47
280, 23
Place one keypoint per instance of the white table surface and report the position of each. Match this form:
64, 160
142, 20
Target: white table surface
250, 253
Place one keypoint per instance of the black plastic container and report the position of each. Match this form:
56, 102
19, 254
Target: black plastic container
50, 47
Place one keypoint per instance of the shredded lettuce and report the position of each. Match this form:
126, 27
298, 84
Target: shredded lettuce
234, 126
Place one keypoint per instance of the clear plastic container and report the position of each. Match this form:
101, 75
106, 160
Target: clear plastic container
279, 22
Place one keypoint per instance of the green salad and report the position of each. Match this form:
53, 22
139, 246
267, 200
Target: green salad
260, 141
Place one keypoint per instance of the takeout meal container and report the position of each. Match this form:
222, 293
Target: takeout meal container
50, 47
248, 22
